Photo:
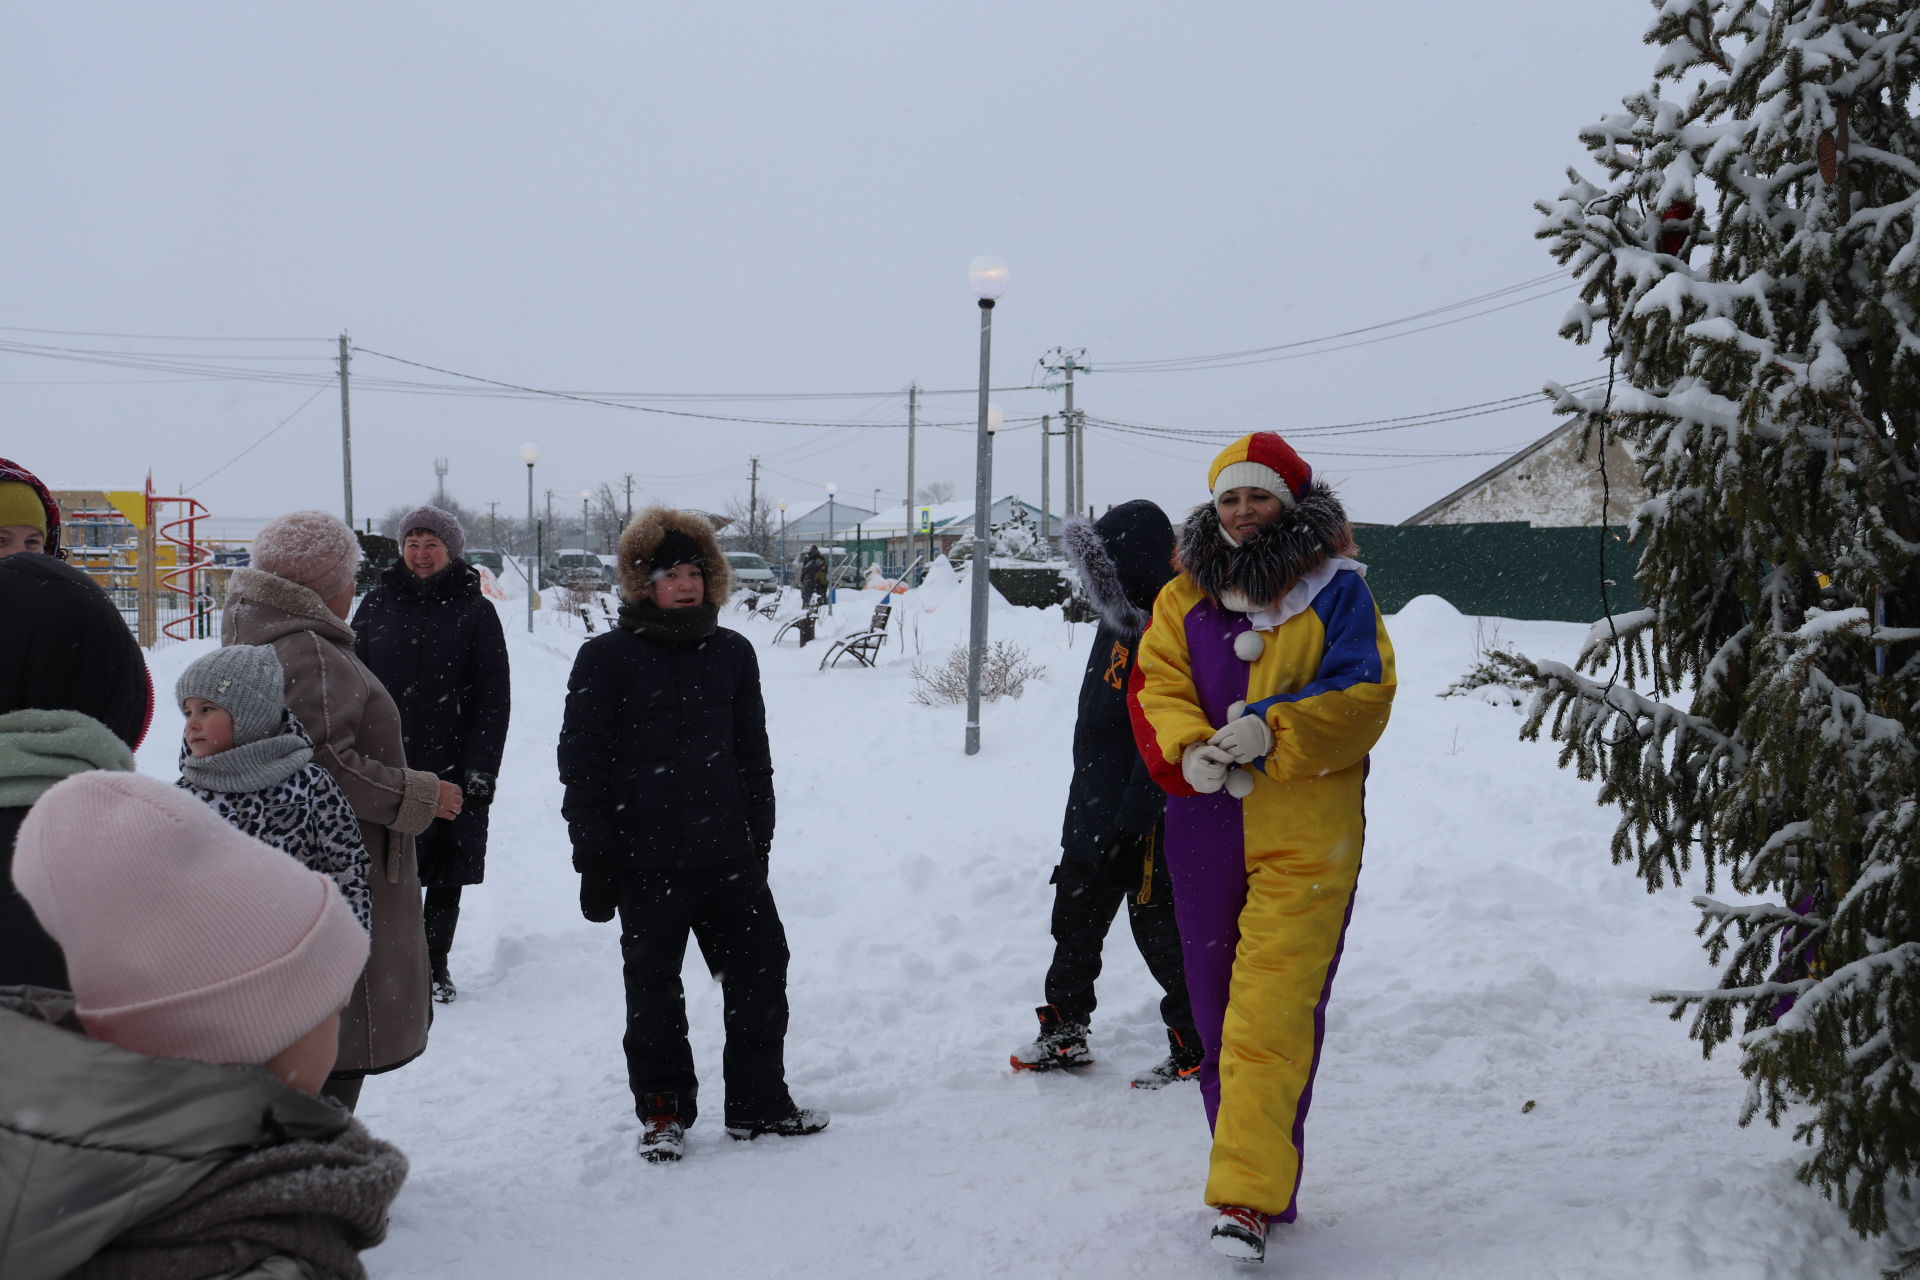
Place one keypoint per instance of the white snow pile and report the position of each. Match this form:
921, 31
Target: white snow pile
1498, 1097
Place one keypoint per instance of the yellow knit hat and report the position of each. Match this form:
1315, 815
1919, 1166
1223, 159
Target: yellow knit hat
19, 504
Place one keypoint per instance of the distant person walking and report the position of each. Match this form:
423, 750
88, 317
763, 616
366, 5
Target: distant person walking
295, 595
669, 805
435, 641
1264, 679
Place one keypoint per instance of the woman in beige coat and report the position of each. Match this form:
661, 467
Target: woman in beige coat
295, 595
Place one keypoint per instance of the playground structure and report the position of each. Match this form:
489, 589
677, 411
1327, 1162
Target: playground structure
157, 570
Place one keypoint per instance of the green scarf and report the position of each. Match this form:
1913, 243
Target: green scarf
39, 748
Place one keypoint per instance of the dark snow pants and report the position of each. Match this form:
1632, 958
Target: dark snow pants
730, 913
1085, 900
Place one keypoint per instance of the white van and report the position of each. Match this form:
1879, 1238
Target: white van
751, 571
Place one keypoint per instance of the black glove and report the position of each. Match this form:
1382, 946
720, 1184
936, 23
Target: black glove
599, 895
477, 790
1126, 859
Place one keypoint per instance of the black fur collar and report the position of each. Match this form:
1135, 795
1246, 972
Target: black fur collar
1305, 536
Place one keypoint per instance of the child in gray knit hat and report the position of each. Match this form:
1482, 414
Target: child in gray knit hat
246, 755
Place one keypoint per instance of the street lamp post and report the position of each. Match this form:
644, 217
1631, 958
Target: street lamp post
989, 279
529, 454
832, 489
783, 541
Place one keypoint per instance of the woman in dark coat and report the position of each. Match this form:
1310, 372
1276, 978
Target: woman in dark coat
74, 696
669, 804
436, 644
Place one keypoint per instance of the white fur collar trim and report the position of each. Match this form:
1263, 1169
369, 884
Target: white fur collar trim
1299, 598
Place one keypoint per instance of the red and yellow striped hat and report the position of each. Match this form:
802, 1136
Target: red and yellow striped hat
1264, 461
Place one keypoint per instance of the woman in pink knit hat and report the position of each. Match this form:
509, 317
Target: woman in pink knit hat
168, 1107
295, 595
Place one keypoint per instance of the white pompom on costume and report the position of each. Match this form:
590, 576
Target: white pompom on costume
1249, 645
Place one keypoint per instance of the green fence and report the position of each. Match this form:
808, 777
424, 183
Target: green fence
1508, 569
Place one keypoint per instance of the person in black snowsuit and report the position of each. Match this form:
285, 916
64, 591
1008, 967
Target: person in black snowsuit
74, 696
1111, 840
669, 805
435, 642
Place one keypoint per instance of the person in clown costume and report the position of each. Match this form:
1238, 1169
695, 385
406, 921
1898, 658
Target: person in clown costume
1263, 680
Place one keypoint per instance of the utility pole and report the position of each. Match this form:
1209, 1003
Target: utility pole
549, 523
493, 524
439, 482
629, 498
1069, 362
913, 413
1046, 481
346, 433
753, 503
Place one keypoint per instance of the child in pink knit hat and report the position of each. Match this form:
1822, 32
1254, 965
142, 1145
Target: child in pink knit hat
168, 1106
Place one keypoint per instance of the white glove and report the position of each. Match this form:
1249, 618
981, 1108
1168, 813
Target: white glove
1205, 766
1244, 740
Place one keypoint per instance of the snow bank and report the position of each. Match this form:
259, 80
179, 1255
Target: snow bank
1496, 959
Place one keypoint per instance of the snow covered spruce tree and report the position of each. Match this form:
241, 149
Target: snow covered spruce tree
1749, 258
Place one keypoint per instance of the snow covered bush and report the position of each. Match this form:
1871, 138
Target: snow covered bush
1749, 255
1004, 673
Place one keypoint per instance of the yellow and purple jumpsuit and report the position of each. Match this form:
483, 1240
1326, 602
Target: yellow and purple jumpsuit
1263, 887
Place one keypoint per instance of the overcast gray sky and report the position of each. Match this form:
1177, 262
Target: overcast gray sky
763, 197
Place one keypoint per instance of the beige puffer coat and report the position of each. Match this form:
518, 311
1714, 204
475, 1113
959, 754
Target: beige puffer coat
355, 728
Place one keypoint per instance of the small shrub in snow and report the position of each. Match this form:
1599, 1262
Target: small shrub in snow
1003, 674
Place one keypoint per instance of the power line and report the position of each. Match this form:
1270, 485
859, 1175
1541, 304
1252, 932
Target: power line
638, 408
1404, 422
1250, 354
262, 440
152, 337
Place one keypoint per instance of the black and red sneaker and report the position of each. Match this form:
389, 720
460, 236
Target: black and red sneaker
1181, 1063
663, 1138
1240, 1234
1060, 1045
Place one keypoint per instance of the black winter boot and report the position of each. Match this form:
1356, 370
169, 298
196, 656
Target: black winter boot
1061, 1044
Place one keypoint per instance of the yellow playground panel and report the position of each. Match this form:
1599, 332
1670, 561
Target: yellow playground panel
156, 569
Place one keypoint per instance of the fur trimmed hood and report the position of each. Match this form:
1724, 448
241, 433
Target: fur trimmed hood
1303, 537
642, 537
1123, 559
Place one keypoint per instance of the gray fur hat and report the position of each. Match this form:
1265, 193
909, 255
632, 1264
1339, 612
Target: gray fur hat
243, 680
441, 524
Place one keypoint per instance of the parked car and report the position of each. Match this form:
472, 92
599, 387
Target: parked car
752, 572
496, 562
573, 567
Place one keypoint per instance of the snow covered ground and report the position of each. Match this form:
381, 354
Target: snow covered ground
1496, 959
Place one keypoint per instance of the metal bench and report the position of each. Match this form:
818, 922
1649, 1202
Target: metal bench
863, 646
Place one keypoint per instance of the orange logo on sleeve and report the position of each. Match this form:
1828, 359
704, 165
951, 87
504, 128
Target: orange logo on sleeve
1116, 673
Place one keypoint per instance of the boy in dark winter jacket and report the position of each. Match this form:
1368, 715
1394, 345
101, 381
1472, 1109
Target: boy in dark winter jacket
669, 804
1112, 837
245, 755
